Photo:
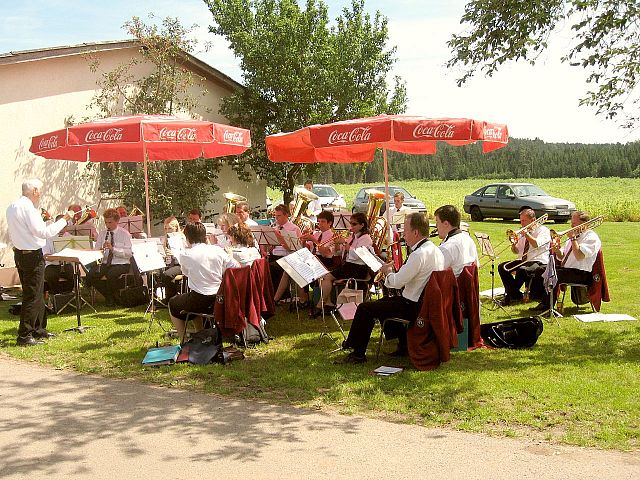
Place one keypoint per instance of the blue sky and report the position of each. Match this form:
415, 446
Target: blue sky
539, 101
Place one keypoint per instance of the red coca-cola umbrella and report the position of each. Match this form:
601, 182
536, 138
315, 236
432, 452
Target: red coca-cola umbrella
357, 140
142, 138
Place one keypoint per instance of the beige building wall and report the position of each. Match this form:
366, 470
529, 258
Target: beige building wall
36, 96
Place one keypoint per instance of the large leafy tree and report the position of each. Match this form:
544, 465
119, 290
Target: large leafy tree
606, 43
169, 88
298, 69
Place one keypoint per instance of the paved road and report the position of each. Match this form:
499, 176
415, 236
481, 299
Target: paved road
77, 426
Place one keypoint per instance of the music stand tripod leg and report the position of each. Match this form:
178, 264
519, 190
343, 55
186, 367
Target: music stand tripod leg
325, 330
151, 307
76, 274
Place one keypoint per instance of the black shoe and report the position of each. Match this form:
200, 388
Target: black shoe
541, 307
43, 334
351, 359
28, 341
400, 352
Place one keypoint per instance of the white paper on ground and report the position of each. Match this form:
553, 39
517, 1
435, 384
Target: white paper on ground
604, 317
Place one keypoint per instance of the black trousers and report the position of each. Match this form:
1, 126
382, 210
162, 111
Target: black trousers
33, 315
512, 284
570, 275
276, 272
191, 302
106, 279
167, 281
368, 312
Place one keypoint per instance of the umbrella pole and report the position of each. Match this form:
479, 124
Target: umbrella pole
146, 194
387, 212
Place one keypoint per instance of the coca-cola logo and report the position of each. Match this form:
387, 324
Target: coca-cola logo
493, 133
358, 134
232, 136
441, 131
108, 135
48, 143
185, 134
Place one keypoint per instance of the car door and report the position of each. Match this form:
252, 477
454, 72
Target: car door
505, 203
487, 201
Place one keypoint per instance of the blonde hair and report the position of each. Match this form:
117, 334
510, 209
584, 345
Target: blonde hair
173, 221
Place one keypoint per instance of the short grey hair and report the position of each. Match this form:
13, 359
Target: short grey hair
28, 186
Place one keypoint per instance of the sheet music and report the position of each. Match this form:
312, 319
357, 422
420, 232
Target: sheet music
85, 257
303, 267
292, 240
147, 256
265, 235
156, 241
82, 242
372, 261
177, 243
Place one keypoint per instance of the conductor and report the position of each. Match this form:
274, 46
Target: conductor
28, 234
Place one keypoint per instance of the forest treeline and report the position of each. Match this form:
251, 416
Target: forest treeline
522, 158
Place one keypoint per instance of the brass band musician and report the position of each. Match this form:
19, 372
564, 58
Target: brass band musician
531, 246
457, 246
168, 276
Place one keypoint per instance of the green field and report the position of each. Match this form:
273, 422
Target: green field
578, 385
616, 198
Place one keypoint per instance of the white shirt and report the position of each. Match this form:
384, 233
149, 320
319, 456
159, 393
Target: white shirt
459, 250
245, 255
589, 243
416, 271
251, 222
539, 253
27, 230
204, 265
359, 241
279, 250
121, 245
315, 207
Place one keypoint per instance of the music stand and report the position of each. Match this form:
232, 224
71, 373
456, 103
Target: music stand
132, 224
149, 261
486, 249
77, 258
341, 220
550, 276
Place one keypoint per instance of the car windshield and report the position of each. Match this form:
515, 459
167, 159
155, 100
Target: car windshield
325, 191
528, 191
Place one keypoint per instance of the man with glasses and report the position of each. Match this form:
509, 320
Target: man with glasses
412, 278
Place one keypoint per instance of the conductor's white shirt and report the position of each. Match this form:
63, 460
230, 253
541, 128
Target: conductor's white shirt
27, 230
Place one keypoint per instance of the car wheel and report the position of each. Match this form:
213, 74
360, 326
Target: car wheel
476, 216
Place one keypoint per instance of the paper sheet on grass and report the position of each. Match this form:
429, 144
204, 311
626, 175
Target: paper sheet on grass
604, 317
385, 371
496, 291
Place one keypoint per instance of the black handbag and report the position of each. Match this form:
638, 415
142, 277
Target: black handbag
514, 333
133, 296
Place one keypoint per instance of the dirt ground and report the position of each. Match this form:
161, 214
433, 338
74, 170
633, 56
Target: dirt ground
59, 424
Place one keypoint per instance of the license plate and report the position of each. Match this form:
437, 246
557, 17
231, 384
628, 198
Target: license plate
563, 212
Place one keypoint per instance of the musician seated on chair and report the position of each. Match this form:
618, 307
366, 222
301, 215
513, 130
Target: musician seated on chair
204, 265
353, 266
281, 213
224, 221
575, 260
457, 247
58, 276
74, 207
194, 216
412, 278
532, 248
243, 211
397, 207
320, 241
314, 207
115, 242
243, 244
168, 276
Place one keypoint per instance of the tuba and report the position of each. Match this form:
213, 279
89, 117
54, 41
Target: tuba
231, 200
87, 214
378, 226
303, 198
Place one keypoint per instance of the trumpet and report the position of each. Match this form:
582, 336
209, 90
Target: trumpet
336, 235
513, 236
578, 229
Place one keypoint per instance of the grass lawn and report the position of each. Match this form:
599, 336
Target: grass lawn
578, 385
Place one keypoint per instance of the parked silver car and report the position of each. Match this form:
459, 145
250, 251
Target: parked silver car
506, 200
362, 199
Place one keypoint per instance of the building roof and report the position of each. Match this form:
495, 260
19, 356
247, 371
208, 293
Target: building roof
197, 65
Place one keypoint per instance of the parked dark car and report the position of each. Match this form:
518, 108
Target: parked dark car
362, 199
506, 200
